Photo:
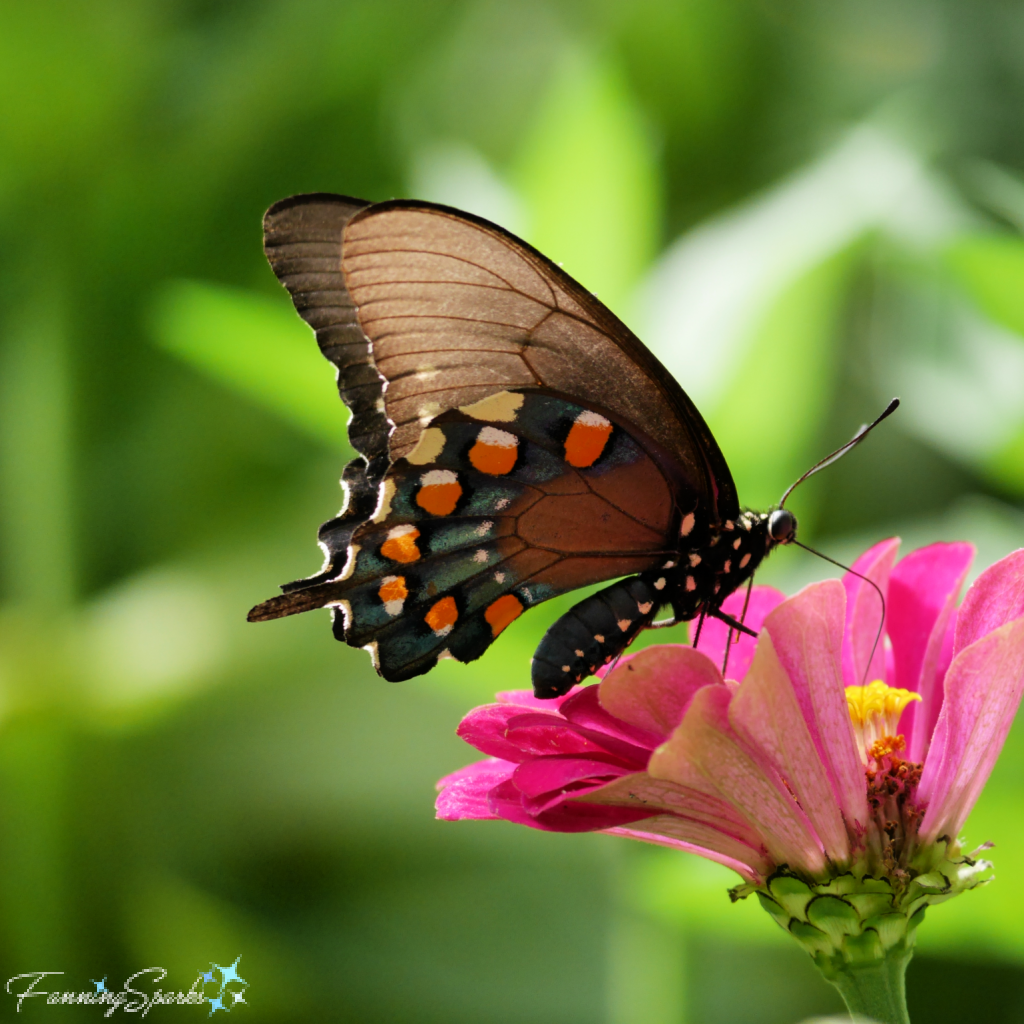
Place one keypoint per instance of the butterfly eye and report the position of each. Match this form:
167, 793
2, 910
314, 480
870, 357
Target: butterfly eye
782, 526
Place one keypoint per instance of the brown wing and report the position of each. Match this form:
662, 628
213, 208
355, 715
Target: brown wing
302, 240
457, 309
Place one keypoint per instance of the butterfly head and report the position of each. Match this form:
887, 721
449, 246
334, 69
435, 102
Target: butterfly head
781, 527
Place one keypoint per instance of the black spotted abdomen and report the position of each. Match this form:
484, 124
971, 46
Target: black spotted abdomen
591, 633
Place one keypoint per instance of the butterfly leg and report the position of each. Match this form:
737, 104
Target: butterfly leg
731, 622
591, 634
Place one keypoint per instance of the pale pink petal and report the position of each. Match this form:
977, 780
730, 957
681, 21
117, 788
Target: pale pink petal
715, 633
585, 712
923, 591
654, 688
463, 794
505, 801
705, 742
994, 598
693, 837
764, 712
983, 691
662, 795
864, 614
807, 634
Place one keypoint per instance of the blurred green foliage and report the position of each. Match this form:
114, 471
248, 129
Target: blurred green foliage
803, 208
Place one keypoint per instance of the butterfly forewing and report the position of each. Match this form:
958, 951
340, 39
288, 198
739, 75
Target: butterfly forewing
456, 308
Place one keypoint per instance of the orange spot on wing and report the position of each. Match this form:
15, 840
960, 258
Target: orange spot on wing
502, 612
393, 589
401, 547
442, 616
439, 493
587, 439
494, 452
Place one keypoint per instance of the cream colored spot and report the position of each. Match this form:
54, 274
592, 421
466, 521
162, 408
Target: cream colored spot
624, 624
669, 565
643, 607
565, 668
502, 503
384, 497
659, 584
687, 525
694, 560
727, 568
484, 528
371, 649
599, 638
691, 583
745, 560
499, 577
428, 447
501, 408
579, 654
480, 556
729, 524
736, 543
446, 655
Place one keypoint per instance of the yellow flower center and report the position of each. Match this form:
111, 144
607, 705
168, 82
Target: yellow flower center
875, 712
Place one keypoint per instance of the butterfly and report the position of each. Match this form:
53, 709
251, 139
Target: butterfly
517, 441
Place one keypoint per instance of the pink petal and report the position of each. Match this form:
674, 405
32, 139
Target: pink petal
665, 796
541, 735
864, 614
807, 634
714, 634
995, 597
983, 690
692, 837
705, 742
923, 591
547, 774
463, 794
505, 801
585, 712
764, 712
654, 688
485, 727
526, 699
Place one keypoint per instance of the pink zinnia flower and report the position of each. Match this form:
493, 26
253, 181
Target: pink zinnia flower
840, 804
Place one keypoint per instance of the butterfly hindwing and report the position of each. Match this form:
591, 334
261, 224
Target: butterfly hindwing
483, 519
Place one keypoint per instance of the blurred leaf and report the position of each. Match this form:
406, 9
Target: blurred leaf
780, 395
1007, 465
256, 347
588, 176
991, 268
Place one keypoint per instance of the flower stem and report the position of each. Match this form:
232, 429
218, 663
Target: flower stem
873, 988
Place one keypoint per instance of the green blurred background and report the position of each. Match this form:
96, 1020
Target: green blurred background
803, 208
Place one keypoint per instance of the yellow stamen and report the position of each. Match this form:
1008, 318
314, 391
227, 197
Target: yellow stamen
875, 712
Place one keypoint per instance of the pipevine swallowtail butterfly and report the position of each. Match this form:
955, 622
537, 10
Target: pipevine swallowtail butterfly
517, 441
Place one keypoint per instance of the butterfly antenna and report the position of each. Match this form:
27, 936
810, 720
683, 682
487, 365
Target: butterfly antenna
729, 641
878, 591
863, 432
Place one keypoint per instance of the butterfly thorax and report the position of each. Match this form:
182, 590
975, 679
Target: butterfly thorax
713, 561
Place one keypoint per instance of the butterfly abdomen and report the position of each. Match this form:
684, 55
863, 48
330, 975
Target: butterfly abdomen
590, 634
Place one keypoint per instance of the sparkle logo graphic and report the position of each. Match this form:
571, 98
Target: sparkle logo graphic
218, 988
230, 987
